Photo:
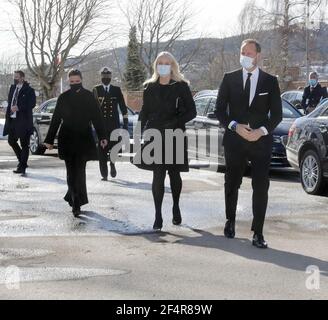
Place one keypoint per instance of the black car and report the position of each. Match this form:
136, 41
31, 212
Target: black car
307, 149
41, 120
206, 127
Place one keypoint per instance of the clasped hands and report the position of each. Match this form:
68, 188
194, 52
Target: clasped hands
251, 135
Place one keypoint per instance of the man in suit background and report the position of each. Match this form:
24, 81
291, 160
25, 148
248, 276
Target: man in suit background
19, 119
249, 107
313, 93
109, 98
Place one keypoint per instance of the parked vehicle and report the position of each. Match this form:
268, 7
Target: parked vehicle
199, 130
307, 149
42, 116
294, 97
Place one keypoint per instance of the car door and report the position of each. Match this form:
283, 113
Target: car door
44, 118
196, 130
214, 134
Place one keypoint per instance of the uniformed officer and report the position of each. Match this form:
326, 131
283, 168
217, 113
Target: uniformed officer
109, 97
313, 93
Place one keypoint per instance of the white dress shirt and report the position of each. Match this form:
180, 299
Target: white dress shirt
18, 87
254, 80
108, 87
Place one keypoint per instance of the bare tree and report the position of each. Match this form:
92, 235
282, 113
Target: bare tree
8, 64
283, 18
160, 24
50, 29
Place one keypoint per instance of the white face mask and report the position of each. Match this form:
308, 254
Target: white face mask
247, 62
164, 70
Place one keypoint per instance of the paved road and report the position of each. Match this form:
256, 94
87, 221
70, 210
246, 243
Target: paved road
112, 253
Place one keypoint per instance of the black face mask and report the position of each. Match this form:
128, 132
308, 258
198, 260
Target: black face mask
76, 87
16, 82
106, 81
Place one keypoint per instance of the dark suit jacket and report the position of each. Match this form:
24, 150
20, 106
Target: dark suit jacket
74, 114
313, 96
266, 107
109, 104
24, 118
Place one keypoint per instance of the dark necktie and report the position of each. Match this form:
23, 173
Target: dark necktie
106, 89
247, 90
15, 97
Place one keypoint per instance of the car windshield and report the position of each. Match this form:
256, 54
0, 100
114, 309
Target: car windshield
289, 112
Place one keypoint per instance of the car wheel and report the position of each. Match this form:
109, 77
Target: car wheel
35, 146
311, 173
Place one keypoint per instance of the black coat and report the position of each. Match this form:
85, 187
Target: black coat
168, 107
311, 98
266, 107
24, 117
74, 114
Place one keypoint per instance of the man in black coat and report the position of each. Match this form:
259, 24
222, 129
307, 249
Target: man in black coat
19, 119
249, 107
109, 98
313, 93
75, 111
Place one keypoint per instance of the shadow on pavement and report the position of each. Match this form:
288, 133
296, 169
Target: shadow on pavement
243, 248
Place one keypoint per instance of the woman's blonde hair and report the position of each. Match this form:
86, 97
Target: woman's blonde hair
176, 74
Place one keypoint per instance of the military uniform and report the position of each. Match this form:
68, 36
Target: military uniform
109, 99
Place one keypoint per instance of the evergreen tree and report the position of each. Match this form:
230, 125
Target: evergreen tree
135, 73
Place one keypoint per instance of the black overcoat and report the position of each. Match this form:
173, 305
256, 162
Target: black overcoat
75, 113
23, 123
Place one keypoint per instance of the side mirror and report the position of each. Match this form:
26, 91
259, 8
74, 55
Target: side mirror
211, 115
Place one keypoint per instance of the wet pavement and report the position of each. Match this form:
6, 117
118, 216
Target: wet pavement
40, 235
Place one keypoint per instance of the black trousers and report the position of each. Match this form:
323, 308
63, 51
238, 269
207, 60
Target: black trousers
103, 157
237, 153
22, 151
76, 195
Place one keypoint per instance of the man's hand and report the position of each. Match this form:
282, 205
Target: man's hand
14, 109
255, 135
243, 130
49, 146
103, 143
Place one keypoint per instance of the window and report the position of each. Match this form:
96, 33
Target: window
201, 105
289, 112
50, 107
212, 106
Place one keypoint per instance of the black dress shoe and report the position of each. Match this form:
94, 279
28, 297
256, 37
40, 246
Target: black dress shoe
158, 224
176, 216
259, 242
19, 171
104, 179
229, 229
113, 172
76, 211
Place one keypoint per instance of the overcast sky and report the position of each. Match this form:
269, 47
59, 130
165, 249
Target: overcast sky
214, 18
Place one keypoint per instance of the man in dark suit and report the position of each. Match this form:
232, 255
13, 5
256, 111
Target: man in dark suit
313, 93
249, 107
19, 119
109, 98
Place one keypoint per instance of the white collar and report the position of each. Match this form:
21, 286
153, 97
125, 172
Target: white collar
106, 87
255, 72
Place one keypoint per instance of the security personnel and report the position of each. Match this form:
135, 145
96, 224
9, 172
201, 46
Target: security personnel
109, 97
313, 93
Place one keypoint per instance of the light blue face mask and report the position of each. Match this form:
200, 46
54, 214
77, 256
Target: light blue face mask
164, 70
313, 82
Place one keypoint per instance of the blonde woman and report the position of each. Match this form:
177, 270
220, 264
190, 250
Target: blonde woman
167, 104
